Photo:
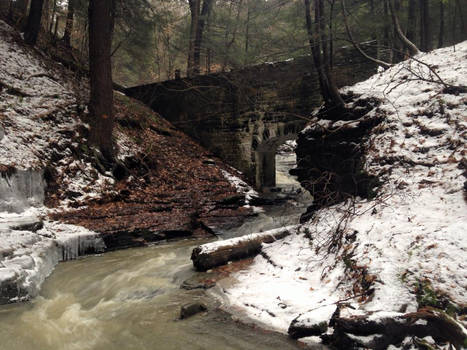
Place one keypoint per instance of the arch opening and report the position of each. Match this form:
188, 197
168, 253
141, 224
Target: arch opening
273, 159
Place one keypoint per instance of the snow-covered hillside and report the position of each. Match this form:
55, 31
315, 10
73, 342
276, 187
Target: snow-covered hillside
399, 252
38, 118
40, 103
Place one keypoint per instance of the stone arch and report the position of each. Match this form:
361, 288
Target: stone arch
264, 146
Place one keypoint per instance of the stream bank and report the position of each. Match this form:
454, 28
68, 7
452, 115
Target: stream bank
131, 299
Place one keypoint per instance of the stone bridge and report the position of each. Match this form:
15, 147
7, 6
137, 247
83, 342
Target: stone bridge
242, 116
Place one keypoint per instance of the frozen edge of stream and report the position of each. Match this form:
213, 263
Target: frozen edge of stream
29, 247
27, 258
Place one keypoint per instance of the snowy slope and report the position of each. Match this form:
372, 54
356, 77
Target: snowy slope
38, 118
40, 104
408, 244
30, 94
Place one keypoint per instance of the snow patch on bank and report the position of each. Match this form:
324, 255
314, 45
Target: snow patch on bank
275, 291
414, 231
241, 186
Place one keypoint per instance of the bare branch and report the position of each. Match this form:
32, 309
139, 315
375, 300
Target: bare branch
356, 45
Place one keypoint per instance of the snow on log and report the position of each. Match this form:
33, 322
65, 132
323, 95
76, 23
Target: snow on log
219, 253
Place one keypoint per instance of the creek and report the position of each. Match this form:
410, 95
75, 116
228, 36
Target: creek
131, 299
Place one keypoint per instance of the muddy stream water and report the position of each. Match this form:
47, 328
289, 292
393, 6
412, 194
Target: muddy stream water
131, 299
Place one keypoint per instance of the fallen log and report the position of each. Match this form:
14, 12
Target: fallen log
218, 253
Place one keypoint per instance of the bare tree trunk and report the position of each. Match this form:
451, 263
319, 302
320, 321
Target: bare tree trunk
10, 11
169, 57
229, 43
57, 19
69, 23
247, 34
101, 100
463, 24
208, 49
317, 38
34, 22
331, 34
425, 26
23, 6
158, 59
46, 15
226, 40
396, 42
411, 21
441, 24
387, 37
84, 41
195, 12
54, 12
206, 9
407, 43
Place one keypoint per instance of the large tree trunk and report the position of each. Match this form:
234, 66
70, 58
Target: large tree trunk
206, 9
411, 21
463, 28
441, 24
69, 23
101, 101
425, 26
317, 40
34, 22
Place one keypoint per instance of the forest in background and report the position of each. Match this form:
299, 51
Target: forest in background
155, 39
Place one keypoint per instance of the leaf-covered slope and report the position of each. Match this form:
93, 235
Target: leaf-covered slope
164, 185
